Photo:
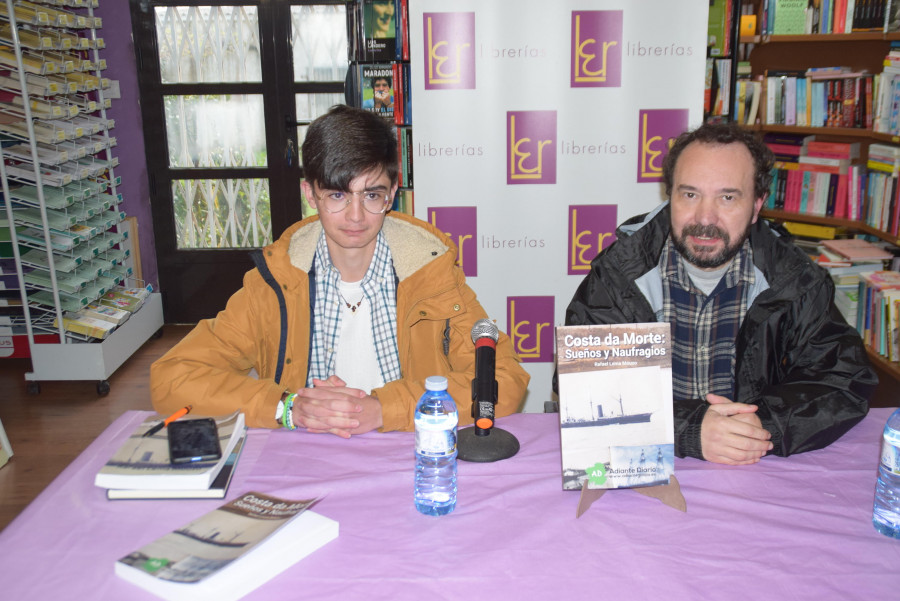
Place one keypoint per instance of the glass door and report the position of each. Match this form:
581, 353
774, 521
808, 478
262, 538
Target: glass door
227, 89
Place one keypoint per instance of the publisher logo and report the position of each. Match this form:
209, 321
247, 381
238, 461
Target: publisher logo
529, 320
531, 147
461, 225
658, 129
596, 49
449, 51
591, 229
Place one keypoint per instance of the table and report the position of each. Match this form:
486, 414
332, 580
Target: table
786, 528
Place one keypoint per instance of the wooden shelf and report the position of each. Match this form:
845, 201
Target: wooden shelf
891, 367
844, 132
860, 36
857, 226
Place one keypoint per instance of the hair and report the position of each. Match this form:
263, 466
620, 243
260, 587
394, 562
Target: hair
345, 143
384, 78
724, 133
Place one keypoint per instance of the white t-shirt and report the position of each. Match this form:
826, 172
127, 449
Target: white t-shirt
356, 362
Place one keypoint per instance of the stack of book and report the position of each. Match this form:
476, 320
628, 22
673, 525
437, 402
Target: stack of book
141, 469
883, 211
846, 259
879, 312
126, 299
816, 177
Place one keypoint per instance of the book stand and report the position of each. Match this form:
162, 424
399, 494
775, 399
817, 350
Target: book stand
670, 494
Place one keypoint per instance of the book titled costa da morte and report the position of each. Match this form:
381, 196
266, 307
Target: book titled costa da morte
615, 405
226, 553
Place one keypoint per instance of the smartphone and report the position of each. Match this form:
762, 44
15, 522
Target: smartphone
193, 440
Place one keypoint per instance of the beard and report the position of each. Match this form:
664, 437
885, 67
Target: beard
708, 259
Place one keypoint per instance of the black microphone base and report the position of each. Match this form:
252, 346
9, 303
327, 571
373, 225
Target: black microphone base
498, 444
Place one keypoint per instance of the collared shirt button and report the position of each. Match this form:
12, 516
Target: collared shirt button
288, 361
422, 313
456, 307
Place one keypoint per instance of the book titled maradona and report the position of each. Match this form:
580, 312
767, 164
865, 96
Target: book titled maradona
615, 405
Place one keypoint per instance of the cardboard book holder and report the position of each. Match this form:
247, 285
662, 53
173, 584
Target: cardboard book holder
669, 494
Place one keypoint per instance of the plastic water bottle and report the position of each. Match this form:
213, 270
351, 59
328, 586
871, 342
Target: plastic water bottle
886, 515
436, 421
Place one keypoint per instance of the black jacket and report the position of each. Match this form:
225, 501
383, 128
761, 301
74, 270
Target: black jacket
797, 358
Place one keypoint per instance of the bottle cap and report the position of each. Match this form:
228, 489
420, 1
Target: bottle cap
435, 383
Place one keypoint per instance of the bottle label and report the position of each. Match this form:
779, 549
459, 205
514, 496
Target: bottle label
890, 457
435, 440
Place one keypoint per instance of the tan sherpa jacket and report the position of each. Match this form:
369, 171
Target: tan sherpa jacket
211, 367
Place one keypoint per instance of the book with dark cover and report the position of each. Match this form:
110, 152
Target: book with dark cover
229, 551
373, 27
216, 490
615, 405
375, 85
142, 462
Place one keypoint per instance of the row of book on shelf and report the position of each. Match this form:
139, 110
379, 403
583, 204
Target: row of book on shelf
866, 278
834, 96
382, 88
795, 17
830, 179
378, 30
224, 553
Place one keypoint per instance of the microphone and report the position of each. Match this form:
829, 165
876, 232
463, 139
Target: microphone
483, 443
484, 386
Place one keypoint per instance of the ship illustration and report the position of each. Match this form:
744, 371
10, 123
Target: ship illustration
598, 417
213, 538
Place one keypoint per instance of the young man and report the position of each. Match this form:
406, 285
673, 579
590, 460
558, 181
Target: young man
763, 362
346, 314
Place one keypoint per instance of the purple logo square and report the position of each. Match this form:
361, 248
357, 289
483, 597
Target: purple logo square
657, 129
449, 51
531, 147
591, 229
461, 225
529, 323
596, 49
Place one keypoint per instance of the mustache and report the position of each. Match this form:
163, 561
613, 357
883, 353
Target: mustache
705, 231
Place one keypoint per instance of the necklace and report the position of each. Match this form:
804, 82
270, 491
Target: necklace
351, 306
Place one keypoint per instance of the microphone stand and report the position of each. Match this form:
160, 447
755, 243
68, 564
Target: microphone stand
480, 445
483, 443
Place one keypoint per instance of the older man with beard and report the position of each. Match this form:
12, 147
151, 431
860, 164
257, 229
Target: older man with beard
762, 360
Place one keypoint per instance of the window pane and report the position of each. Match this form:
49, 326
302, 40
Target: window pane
319, 39
215, 131
210, 44
310, 106
230, 213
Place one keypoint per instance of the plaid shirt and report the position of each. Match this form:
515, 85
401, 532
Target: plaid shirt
379, 288
704, 328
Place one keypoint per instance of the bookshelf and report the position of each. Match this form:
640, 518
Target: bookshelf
63, 226
722, 58
862, 52
379, 77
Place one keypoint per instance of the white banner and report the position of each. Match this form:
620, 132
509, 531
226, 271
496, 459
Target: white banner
537, 128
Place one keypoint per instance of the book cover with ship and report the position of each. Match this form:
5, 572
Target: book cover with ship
229, 551
615, 405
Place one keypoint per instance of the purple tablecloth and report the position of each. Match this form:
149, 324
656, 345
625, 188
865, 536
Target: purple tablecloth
795, 528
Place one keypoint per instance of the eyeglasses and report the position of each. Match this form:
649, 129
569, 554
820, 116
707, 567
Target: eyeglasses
373, 201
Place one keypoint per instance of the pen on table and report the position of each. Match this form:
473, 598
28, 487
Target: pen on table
178, 414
